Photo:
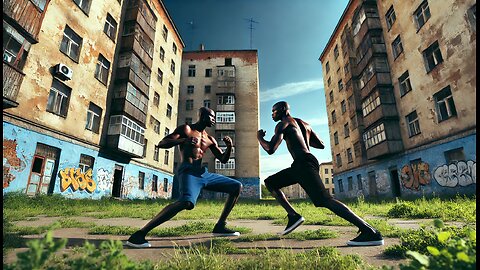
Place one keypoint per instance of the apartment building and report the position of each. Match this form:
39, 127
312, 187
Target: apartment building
96, 90
400, 88
326, 174
227, 82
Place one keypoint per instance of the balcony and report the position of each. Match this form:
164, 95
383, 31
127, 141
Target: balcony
225, 126
225, 108
26, 15
122, 144
391, 145
12, 79
367, 25
374, 50
125, 73
383, 111
125, 136
226, 172
121, 105
378, 79
131, 42
134, 14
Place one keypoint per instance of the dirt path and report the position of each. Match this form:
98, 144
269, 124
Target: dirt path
163, 247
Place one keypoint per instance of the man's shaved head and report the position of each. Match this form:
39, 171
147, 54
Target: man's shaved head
282, 106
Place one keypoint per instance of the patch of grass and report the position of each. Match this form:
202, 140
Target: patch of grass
385, 228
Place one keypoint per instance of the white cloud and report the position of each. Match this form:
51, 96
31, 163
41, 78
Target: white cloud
273, 164
317, 121
290, 89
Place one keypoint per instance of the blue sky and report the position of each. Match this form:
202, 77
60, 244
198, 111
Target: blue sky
289, 36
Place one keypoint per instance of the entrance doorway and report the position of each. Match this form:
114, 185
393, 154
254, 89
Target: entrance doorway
117, 181
395, 182
44, 167
372, 184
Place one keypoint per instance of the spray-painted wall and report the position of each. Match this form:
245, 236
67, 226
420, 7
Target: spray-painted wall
430, 175
19, 146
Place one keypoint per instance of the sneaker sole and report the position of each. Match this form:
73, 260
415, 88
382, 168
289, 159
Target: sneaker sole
293, 227
144, 245
366, 243
226, 234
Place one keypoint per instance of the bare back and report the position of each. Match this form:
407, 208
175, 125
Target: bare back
297, 141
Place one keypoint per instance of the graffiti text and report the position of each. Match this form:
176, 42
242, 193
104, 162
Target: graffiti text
76, 179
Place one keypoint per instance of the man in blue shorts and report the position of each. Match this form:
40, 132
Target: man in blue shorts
193, 141
299, 136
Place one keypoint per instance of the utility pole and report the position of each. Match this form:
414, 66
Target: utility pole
251, 21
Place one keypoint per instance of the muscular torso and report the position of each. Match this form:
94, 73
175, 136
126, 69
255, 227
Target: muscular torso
293, 136
194, 152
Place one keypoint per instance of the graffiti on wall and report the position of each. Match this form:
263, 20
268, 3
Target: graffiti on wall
460, 173
77, 180
104, 179
129, 184
11, 161
414, 175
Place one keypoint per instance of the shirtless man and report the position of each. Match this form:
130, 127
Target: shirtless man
304, 170
194, 141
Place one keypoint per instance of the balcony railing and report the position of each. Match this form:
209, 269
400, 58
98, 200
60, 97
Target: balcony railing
12, 79
226, 108
225, 126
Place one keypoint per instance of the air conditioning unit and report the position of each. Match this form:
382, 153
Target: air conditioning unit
63, 72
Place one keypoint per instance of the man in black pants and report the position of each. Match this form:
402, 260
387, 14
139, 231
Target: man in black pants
304, 170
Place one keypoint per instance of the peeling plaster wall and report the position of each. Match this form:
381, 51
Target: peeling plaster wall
19, 148
462, 179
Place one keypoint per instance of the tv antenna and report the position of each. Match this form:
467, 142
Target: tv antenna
251, 21
192, 29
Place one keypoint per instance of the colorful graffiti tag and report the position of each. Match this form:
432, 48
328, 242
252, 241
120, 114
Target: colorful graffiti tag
415, 174
77, 180
104, 179
460, 173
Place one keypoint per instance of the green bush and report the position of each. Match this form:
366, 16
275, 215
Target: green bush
402, 209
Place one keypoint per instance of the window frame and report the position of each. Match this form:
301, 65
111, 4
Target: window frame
68, 41
93, 115
111, 25
59, 108
102, 69
413, 124
422, 9
390, 17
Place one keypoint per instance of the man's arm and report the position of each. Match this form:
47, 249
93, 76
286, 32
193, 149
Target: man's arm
217, 152
178, 136
315, 141
271, 146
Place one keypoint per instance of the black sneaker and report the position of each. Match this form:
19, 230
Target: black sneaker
367, 239
293, 222
220, 230
137, 240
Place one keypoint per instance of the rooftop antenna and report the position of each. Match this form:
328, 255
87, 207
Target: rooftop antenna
251, 21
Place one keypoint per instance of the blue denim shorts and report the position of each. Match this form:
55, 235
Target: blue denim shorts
194, 178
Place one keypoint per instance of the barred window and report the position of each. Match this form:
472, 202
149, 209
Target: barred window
225, 117
370, 103
225, 166
374, 136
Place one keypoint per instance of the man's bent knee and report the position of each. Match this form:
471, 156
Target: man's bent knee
186, 205
269, 183
236, 189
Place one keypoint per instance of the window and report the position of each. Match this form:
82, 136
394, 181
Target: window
397, 47
145, 143
346, 130
472, 16
228, 61
334, 117
170, 89
120, 124
156, 99
374, 136
326, 171
208, 89
141, 180
156, 151
338, 70
390, 17
15, 47
169, 111
358, 20
167, 132
162, 54
189, 104
83, 5
219, 135
370, 103
454, 155
444, 104
230, 165
339, 160
86, 163
155, 183
133, 95
326, 180
225, 100
188, 120
349, 155
350, 183
359, 181
340, 85
93, 118
413, 124
165, 33
110, 27
331, 96
191, 71
165, 160
206, 103
156, 124
327, 67
225, 117
329, 81
344, 106
102, 68
335, 138
190, 89
174, 48
39, 3
404, 82
160, 76
346, 68
432, 56
208, 72
59, 98
422, 14
71, 44
340, 185
335, 52
165, 185
172, 67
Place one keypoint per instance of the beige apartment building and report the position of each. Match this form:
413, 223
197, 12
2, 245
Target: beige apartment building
227, 82
90, 87
400, 87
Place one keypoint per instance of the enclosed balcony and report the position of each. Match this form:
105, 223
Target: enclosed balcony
136, 40
25, 16
140, 12
383, 139
12, 79
126, 136
379, 105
